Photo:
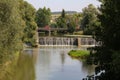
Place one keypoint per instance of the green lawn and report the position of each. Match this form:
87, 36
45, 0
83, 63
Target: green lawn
79, 53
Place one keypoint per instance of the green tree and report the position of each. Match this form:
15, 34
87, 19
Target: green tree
10, 29
43, 17
89, 20
63, 14
71, 24
78, 18
30, 24
108, 54
61, 21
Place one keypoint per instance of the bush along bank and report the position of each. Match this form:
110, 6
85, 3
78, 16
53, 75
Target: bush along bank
79, 54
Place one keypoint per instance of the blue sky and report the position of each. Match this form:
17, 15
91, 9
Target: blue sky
68, 5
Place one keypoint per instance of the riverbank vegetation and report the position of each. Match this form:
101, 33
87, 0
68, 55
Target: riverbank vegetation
79, 54
107, 55
11, 29
28, 13
15, 18
17, 26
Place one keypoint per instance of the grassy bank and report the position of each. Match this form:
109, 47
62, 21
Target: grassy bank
79, 53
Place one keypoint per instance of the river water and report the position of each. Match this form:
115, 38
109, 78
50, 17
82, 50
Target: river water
46, 63
53, 63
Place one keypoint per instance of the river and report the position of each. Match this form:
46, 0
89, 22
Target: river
53, 63
46, 63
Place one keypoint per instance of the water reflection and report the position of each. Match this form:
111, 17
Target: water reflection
53, 63
21, 69
87, 68
25, 68
62, 55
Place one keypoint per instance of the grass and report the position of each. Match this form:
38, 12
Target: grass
79, 54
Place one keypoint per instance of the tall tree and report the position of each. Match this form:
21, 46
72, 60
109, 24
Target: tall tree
30, 24
43, 17
61, 21
71, 23
108, 54
10, 28
63, 13
90, 19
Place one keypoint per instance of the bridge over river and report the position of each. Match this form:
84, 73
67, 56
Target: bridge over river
49, 29
52, 29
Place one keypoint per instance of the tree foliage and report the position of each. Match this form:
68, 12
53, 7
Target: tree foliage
30, 24
90, 20
61, 21
108, 54
63, 14
43, 17
71, 25
71, 22
10, 28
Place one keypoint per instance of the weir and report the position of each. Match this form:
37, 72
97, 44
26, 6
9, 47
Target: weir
86, 42
57, 41
67, 41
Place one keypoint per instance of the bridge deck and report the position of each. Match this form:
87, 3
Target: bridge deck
52, 29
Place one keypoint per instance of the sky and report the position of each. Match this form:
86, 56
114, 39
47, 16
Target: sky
68, 5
